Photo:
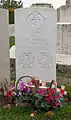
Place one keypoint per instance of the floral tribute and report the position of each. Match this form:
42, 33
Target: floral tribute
40, 95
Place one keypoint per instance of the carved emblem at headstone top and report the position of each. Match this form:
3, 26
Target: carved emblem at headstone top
35, 19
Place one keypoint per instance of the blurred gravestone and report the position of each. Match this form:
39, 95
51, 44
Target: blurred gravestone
4, 46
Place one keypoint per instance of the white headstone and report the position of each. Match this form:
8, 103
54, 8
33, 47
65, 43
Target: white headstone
36, 35
4, 46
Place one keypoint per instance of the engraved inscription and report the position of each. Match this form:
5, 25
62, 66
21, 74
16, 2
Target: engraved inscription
26, 60
44, 60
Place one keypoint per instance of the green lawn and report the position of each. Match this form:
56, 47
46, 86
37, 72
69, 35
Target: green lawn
18, 114
64, 113
24, 114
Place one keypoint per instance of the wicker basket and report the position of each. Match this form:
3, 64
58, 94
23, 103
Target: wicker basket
20, 79
24, 104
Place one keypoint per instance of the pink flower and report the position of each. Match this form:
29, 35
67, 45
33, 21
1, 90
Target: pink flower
28, 90
12, 87
22, 86
42, 92
47, 99
57, 104
51, 96
57, 96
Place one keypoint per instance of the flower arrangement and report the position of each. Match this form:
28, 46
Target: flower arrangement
40, 95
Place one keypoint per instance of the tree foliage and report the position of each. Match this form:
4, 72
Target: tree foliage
11, 5
8, 4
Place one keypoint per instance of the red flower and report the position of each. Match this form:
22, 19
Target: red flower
40, 84
57, 96
52, 90
33, 82
9, 93
62, 91
51, 96
47, 89
52, 82
46, 84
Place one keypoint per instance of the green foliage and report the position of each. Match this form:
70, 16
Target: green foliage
11, 4
11, 41
64, 113
18, 113
68, 88
39, 102
11, 17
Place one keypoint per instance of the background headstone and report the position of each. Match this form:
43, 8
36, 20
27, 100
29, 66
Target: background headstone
36, 35
4, 46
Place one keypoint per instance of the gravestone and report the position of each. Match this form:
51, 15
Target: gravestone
36, 35
64, 39
4, 46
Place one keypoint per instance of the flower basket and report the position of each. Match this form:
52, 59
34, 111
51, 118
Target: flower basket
37, 95
23, 96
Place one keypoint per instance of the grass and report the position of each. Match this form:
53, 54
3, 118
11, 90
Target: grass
68, 89
18, 113
64, 113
